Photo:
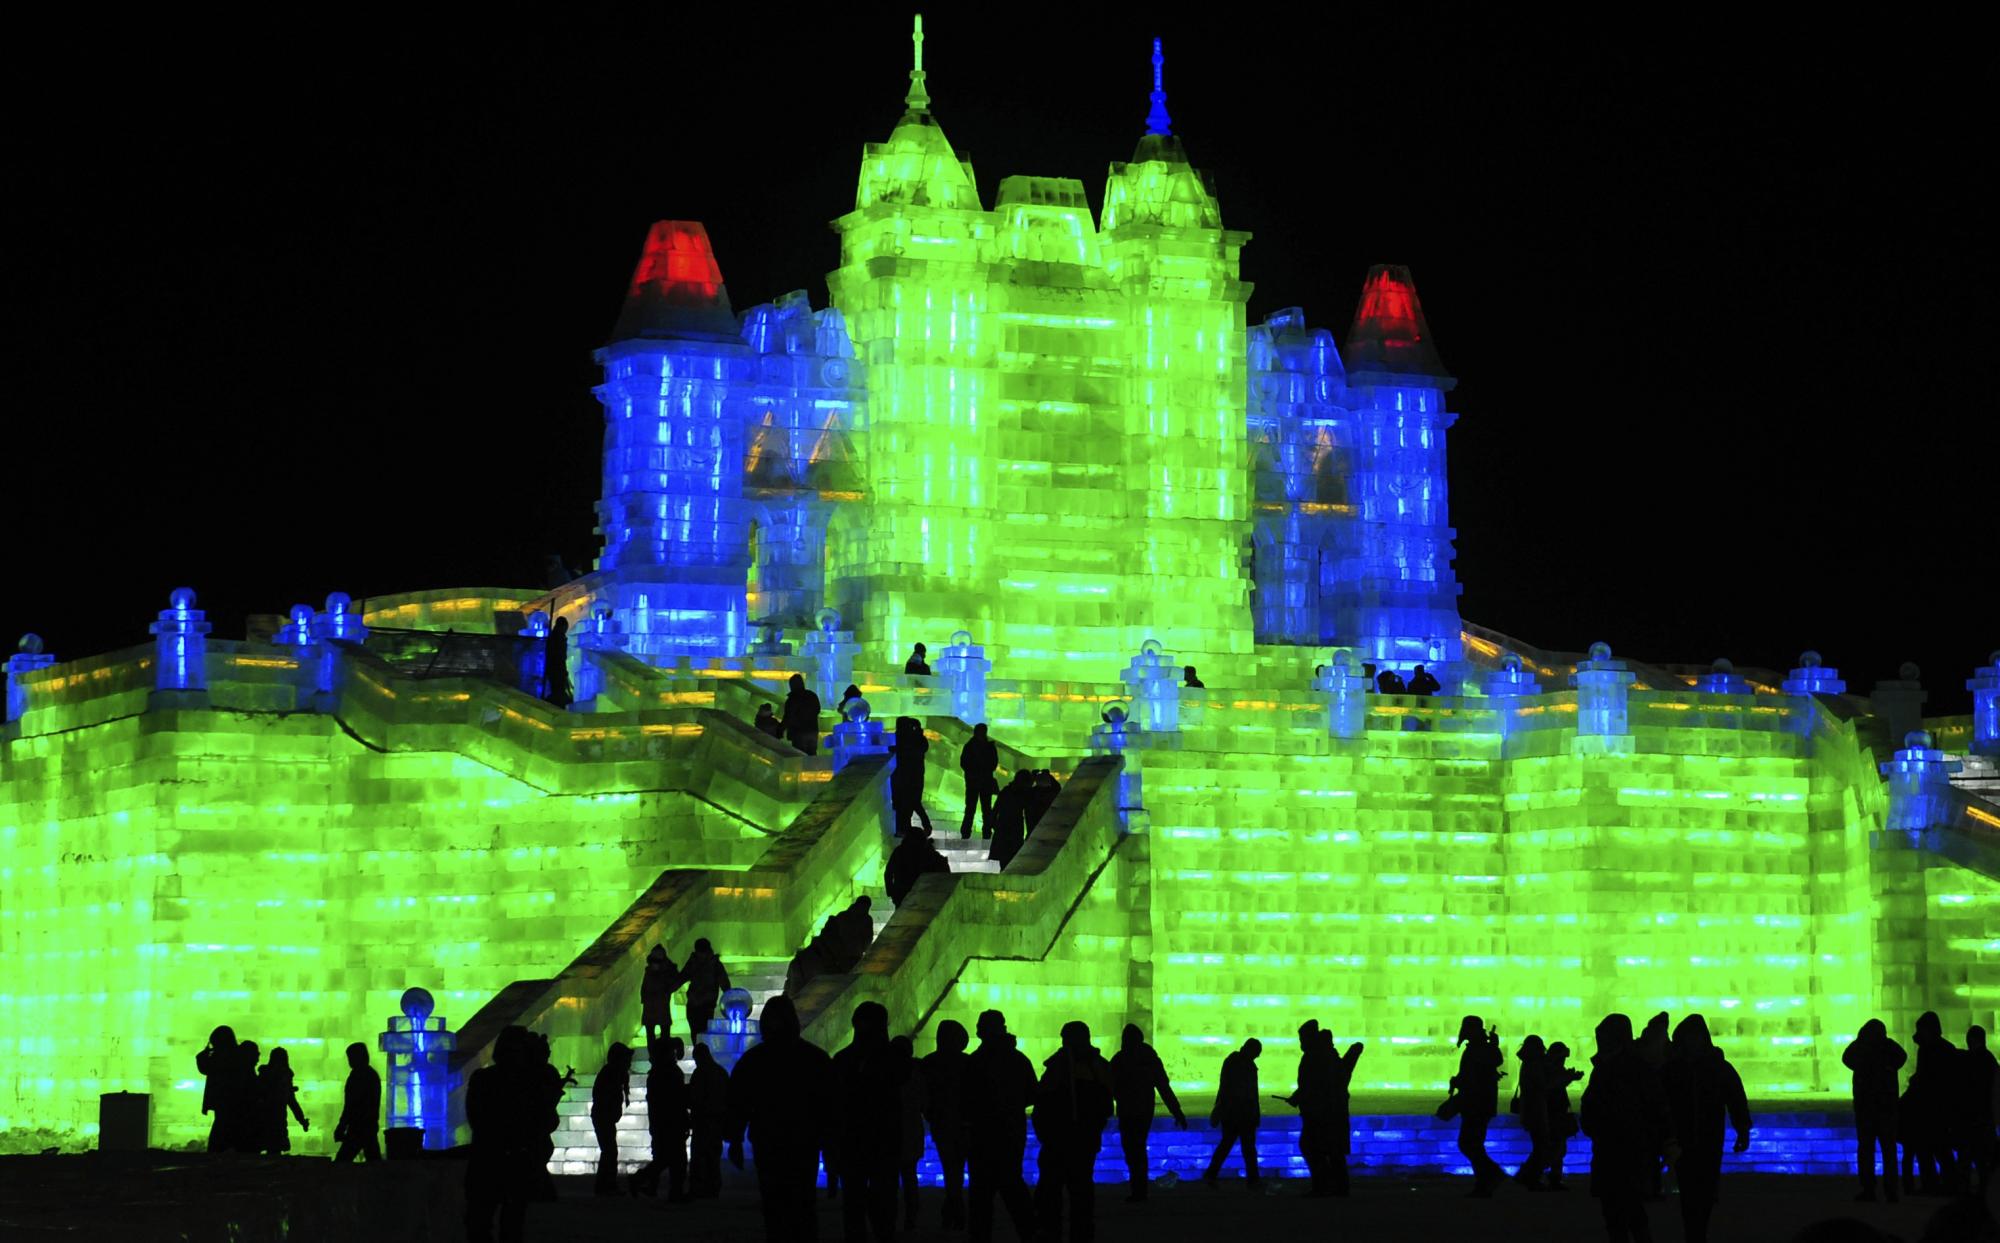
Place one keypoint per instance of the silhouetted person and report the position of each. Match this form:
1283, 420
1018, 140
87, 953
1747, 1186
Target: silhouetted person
1625, 1114
709, 1103
1654, 1044
1042, 791
767, 722
1531, 1102
503, 1107
1389, 682
1562, 1122
1932, 1102
360, 1123
1703, 1091
904, 1055
801, 716
852, 692
978, 760
227, 1090
547, 1086
249, 1133
1236, 1112
666, 1122
1189, 680
868, 1086
906, 780
1422, 683
1477, 1085
913, 857
944, 1109
1977, 1147
1137, 1078
917, 664
780, 1095
1322, 1101
277, 1094
1072, 1104
609, 1096
1367, 675
854, 932
555, 665
1875, 1060
999, 1087
656, 991
1009, 821
707, 981
809, 963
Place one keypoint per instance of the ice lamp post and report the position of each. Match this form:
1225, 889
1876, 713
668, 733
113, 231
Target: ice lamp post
601, 632
181, 658
28, 657
1602, 686
1346, 694
1721, 679
1919, 784
1154, 682
1985, 687
419, 1049
1809, 679
964, 667
832, 652
1511, 681
856, 735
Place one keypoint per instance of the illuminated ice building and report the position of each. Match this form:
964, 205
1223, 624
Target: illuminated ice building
1047, 443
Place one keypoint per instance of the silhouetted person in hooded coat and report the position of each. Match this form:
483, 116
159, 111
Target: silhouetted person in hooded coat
1531, 1102
1072, 1104
708, 1118
1389, 682
1703, 1090
1237, 1112
906, 780
1976, 1144
868, 1084
707, 980
1322, 1101
944, 1109
1137, 1078
978, 760
504, 1108
656, 991
1189, 680
1562, 1120
1009, 821
999, 1087
767, 722
801, 716
555, 665
666, 1122
609, 1097
904, 1053
853, 932
360, 1124
227, 1091
1477, 1084
1933, 1100
1625, 1114
913, 857
1875, 1060
917, 665
1042, 791
780, 1096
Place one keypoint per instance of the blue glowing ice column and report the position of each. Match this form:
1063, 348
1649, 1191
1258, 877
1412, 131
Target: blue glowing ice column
600, 632
534, 654
1919, 780
856, 735
1721, 679
341, 621
832, 652
733, 1032
1601, 689
180, 661
419, 1049
1346, 692
28, 657
1510, 682
1390, 585
297, 632
1153, 679
964, 667
1112, 736
1809, 679
1985, 687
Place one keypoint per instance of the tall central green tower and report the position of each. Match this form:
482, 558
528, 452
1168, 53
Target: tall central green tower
1054, 453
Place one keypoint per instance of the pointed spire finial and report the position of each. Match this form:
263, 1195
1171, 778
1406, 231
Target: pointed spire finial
918, 99
1156, 120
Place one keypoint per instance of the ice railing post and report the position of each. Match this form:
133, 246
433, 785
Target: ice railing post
600, 632
339, 622
180, 661
1510, 682
1153, 679
1919, 785
1809, 679
964, 667
1985, 687
832, 651
297, 632
1346, 694
1602, 686
1722, 679
855, 735
533, 674
28, 656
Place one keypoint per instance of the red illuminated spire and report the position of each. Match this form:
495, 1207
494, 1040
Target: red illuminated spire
1389, 333
677, 288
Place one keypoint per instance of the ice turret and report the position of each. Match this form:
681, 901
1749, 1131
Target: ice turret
917, 165
1390, 335
677, 288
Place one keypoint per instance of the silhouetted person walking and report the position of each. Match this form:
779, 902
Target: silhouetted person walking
1875, 1060
1933, 1101
1625, 1114
978, 761
277, 1094
918, 664
1042, 791
667, 1122
854, 932
906, 780
780, 1096
1137, 1078
708, 1112
249, 1133
999, 1087
1703, 1091
544, 1109
227, 1089
1009, 821
707, 981
555, 665
609, 1097
1072, 1104
1322, 1101
801, 716
1237, 1112
360, 1123
869, 1125
656, 991
903, 1053
1531, 1102
502, 1105
1654, 1044
767, 722
913, 857
1977, 1148
1562, 1121
944, 1108
1476, 1087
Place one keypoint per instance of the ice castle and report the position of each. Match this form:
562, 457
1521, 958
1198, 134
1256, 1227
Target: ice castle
1048, 444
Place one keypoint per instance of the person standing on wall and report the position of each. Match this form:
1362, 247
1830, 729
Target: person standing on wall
555, 665
906, 780
800, 718
979, 760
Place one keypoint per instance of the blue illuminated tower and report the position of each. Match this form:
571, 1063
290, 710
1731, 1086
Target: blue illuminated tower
1301, 436
1390, 584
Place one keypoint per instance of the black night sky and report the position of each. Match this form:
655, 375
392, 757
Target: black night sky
291, 308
